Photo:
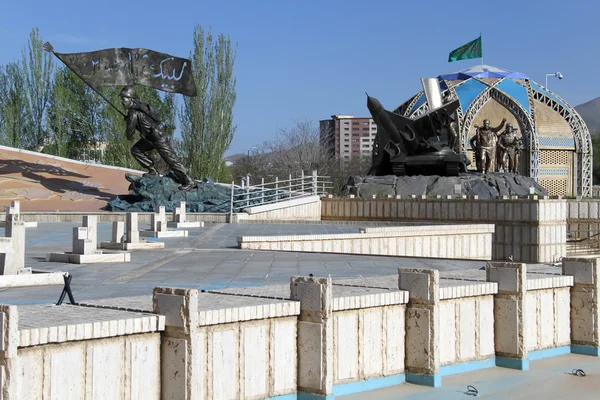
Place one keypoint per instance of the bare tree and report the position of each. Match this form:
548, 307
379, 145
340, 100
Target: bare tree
296, 149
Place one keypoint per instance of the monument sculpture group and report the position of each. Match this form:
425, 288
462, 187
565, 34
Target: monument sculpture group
496, 149
421, 154
428, 144
127, 67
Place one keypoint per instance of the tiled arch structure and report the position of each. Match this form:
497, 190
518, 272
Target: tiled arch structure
519, 95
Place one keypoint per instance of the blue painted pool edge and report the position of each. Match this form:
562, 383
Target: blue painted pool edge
343, 389
585, 350
290, 396
512, 363
546, 353
369, 384
312, 396
425, 380
467, 367
523, 364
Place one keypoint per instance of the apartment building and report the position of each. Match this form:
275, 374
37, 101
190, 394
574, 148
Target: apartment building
347, 137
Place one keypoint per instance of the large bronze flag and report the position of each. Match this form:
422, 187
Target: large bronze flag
124, 66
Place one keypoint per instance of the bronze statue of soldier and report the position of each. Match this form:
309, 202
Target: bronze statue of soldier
486, 137
501, 149
510, 144
143, 118
451, 124
476, 153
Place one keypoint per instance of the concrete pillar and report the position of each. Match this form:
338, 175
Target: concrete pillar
422, 325
315, 335
509, 313
118, 231
9, 342
133, 233
91, 223
179, 213
179, 373
159, 220
81, 243
11, 264
585, 312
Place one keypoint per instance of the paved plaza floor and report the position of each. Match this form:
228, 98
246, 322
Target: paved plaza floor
207, 259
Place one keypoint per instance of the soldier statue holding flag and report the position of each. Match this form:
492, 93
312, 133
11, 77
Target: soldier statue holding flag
127, 67
142, 117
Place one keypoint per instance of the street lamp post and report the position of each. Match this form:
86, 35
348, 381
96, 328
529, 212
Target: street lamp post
556, 75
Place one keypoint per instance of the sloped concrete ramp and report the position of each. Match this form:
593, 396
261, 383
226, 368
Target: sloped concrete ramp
48, 183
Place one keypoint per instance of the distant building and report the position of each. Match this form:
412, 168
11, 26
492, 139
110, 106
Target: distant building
346, 137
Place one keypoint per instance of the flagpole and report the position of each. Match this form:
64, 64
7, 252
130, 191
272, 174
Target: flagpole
481, 41
48, 47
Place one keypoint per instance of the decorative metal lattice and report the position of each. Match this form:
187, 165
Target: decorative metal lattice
583, 140
534, 151
407, 105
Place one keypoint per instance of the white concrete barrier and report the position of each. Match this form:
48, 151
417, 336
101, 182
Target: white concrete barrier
449, 326
585, 309
226, 347
314, 338
531, 313
527, 230
71, 352
443, 241
349, 338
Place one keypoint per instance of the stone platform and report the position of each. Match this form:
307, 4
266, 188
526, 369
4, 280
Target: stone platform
490, 186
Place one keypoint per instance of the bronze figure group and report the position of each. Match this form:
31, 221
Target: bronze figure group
496, 149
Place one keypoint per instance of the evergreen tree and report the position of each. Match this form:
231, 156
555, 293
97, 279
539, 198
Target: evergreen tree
75, 116
3, 101
13, 131
207, 120
37, 71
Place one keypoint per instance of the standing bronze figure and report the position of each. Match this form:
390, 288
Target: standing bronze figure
476, 152
510, 145
451, 124
143, 118
501, 149
486, 143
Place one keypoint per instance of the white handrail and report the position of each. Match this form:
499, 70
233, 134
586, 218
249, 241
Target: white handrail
246, 195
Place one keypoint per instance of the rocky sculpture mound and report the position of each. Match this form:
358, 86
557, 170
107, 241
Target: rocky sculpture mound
150, 192
147, 193
489, 186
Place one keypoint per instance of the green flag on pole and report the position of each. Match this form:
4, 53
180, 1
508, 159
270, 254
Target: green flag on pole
467, 51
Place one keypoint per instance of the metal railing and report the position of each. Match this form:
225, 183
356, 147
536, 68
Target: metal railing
246, 195
583, 242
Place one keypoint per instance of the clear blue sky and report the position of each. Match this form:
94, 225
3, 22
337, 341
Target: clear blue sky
306, 60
